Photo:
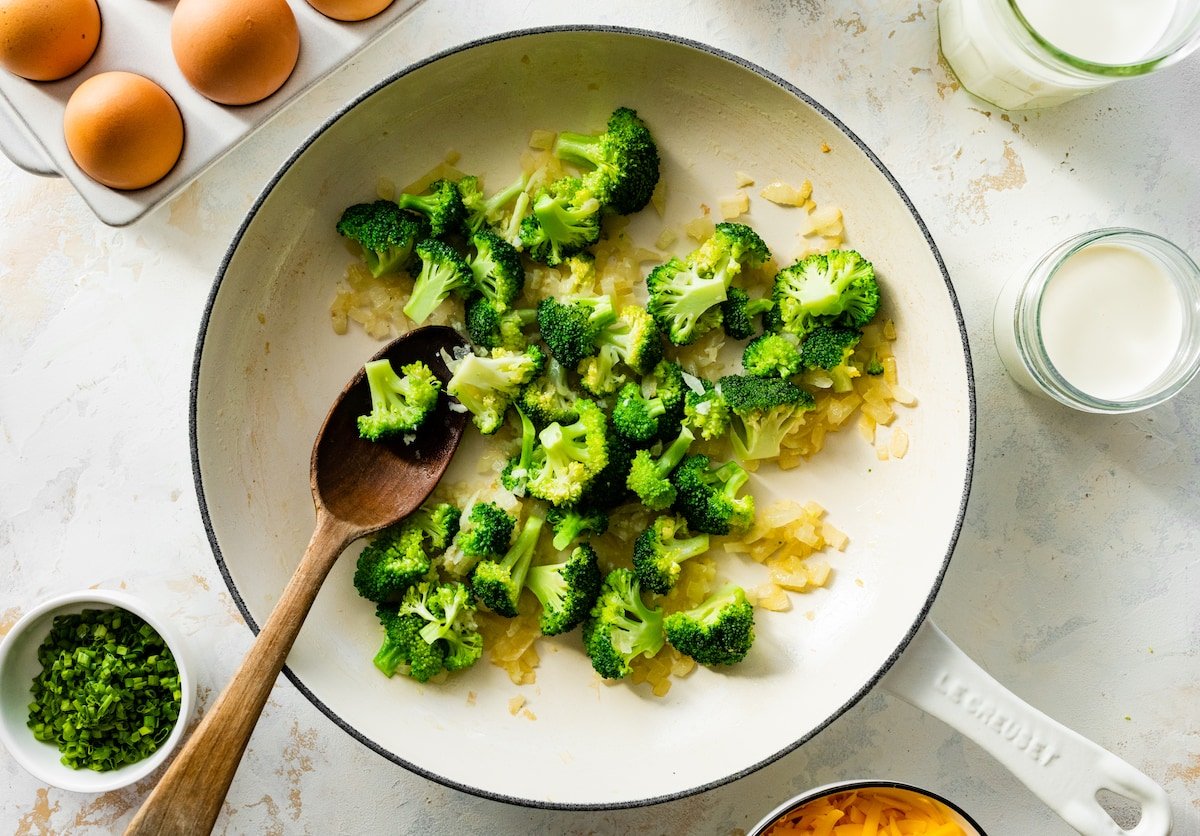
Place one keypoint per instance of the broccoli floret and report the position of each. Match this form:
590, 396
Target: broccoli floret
516, 472
738, 312
548, 397
481, 212
632, 339
438, 525
403, 650
826, 352
487, 385
874, 365
385, 232
567, 590
706, 413
660, 550
398, 404
649, 478
572, 523
571, 328
598, 375
624, 160
398, 556
499, 274
568, 457
564, 221
837, 287
621, 627
665, 383
686, 297
635, 337
498, 584
607, 490
772, 355
728, 250
401, 554
489, 328
764, 411
443, 271
443, 206
449, 621
390, 563
720, 631
582, 267
708, 498
636, 417
487, 531
684, 303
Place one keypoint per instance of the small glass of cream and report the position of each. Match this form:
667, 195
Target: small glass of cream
1107, 321
1020, 54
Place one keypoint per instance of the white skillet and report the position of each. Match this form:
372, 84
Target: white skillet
268, 364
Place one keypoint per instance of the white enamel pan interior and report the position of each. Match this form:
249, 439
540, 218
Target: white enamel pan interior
268, 365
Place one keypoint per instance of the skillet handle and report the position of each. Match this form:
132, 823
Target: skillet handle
1060, 766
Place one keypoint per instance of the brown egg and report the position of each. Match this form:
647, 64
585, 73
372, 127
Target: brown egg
123, 130
235, 52
44, 40
350, 9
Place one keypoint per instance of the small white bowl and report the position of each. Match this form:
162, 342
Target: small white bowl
19, 666
960, 817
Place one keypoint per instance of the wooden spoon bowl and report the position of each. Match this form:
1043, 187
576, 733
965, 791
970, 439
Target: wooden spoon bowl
372, 484
358, 488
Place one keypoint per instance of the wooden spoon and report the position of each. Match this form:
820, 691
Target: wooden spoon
358, 487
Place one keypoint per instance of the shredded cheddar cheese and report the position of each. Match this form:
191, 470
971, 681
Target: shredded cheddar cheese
875, 811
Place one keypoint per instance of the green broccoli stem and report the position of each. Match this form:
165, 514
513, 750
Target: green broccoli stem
389, 658
549, 587
707, 611
519, 558
441, 628
733, 476
759, 306
501, 198
674, 454
425, 204
680, 550
581, 149
698, 298
383, 380
570, 524
568, 442
603, 314
559, 221
528, 438
512, 231
655, 407
569, 529
429, 290
646, 633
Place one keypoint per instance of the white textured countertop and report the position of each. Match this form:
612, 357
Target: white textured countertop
1076, 581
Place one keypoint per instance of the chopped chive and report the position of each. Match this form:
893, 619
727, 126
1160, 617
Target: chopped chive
109, 691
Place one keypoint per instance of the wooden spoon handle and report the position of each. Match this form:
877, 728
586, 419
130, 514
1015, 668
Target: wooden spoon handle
189, 796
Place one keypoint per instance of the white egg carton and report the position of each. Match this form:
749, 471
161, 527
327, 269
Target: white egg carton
135, 36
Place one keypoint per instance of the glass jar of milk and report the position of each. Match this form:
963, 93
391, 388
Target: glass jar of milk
1107, 321
1021, 54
